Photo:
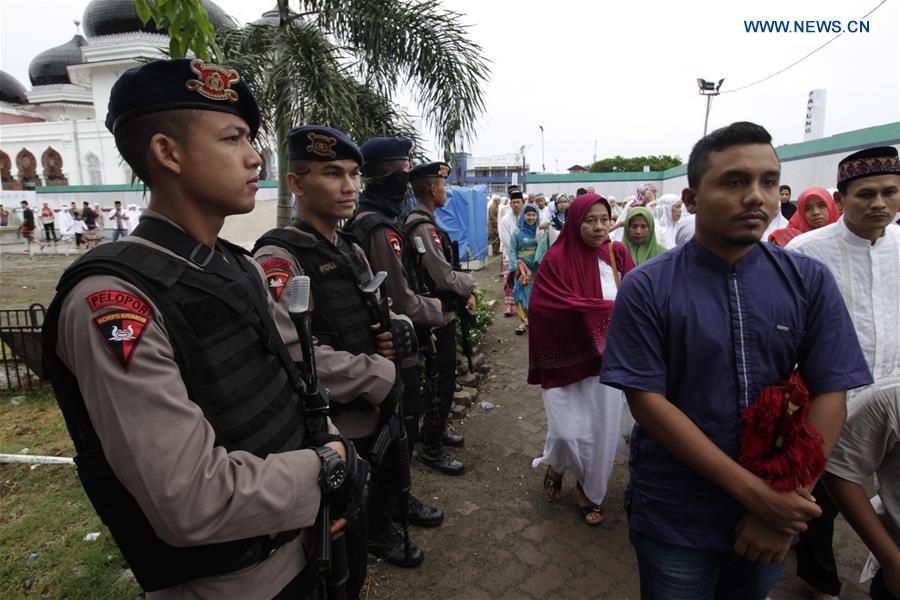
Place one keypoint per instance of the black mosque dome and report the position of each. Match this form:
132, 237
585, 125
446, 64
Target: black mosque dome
49, 66
109, 17
11, 90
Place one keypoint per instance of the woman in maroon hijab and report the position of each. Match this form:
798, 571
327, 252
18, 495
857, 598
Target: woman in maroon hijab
569, 313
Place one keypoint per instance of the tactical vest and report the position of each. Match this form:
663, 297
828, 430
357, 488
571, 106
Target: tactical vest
363, 225
415, 218
234, 370
340, 318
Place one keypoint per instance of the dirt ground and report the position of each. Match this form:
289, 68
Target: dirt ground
502, 539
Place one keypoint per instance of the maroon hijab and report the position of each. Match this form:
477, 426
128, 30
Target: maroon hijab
568, 318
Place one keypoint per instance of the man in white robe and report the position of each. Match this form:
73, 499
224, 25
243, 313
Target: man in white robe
862, 250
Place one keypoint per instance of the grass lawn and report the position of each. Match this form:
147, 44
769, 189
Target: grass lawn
45, 515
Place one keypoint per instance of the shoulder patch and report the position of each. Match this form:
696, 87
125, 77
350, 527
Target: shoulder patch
121, 331
393, 239
278, 272
437, 238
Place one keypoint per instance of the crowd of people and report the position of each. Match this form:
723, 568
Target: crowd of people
242, 417
700, 327
73, 227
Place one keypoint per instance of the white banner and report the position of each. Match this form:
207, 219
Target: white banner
814, 126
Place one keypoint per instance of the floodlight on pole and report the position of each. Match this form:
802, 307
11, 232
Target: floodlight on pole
543, 165
708, 89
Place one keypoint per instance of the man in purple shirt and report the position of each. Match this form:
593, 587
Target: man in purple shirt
696, 334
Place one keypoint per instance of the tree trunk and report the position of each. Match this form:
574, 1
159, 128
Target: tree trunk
284, 212
285, 208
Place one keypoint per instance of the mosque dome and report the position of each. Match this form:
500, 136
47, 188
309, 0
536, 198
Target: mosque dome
49, 66
270, 17
110, 17
11, 90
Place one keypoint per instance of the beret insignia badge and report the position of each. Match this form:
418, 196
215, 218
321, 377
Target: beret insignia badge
214, 81
321, 145
444, 170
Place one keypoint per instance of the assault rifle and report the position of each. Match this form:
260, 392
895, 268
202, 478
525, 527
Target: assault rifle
466, 317
390, 451
429, 346
330, 554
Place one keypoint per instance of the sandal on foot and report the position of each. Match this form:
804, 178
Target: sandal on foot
592, 513
552, 487
520, 329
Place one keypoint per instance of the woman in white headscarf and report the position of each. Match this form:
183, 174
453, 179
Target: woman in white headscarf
666, 213
134, 215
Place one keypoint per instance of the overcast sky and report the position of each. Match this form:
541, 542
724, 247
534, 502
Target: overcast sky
621, 74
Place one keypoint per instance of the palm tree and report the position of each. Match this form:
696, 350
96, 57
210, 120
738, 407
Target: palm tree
341, 63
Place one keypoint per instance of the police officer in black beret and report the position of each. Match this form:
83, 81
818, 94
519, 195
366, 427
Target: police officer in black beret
376, 227
182, 401
453, 288
354, 358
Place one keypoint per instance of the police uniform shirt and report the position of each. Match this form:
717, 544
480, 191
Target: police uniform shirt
385, 254
445, 278
347, 376
192, 491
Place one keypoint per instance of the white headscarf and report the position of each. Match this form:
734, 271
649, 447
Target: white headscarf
665, 224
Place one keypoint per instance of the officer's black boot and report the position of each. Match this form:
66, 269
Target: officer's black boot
388, 546
422, 515
453, 439
435, 456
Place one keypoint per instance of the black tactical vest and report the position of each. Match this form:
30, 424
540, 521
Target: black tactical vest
340, 318
235, 369
364, 224
416, 217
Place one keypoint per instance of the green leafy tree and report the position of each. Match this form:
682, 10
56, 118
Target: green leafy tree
636, 163
187, 24
341, 63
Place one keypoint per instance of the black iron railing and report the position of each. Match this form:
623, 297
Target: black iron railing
20, 347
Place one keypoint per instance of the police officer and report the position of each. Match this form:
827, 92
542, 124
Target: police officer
453, 288
161, 347
353, 357
375, 225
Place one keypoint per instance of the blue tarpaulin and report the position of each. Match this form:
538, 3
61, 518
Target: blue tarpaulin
465, 219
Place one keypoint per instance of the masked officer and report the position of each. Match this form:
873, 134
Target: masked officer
180, 397
375, 226
453, 288
353, 357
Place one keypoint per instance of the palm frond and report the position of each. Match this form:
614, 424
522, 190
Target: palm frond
415, 41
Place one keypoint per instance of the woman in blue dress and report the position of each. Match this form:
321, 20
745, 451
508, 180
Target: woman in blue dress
523, 261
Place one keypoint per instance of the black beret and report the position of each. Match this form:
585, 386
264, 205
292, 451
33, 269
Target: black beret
435, 169
386, 148
180, 83
317, 142
871, 161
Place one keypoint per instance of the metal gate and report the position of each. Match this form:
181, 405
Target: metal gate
20, 347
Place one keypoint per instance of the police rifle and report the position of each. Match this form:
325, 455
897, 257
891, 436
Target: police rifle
330, 555
466, 317
391, 437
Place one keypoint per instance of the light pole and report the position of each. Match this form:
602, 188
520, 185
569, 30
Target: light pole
708, 89
543, 165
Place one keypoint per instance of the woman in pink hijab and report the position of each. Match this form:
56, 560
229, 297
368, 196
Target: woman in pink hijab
815, 209
569, 313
